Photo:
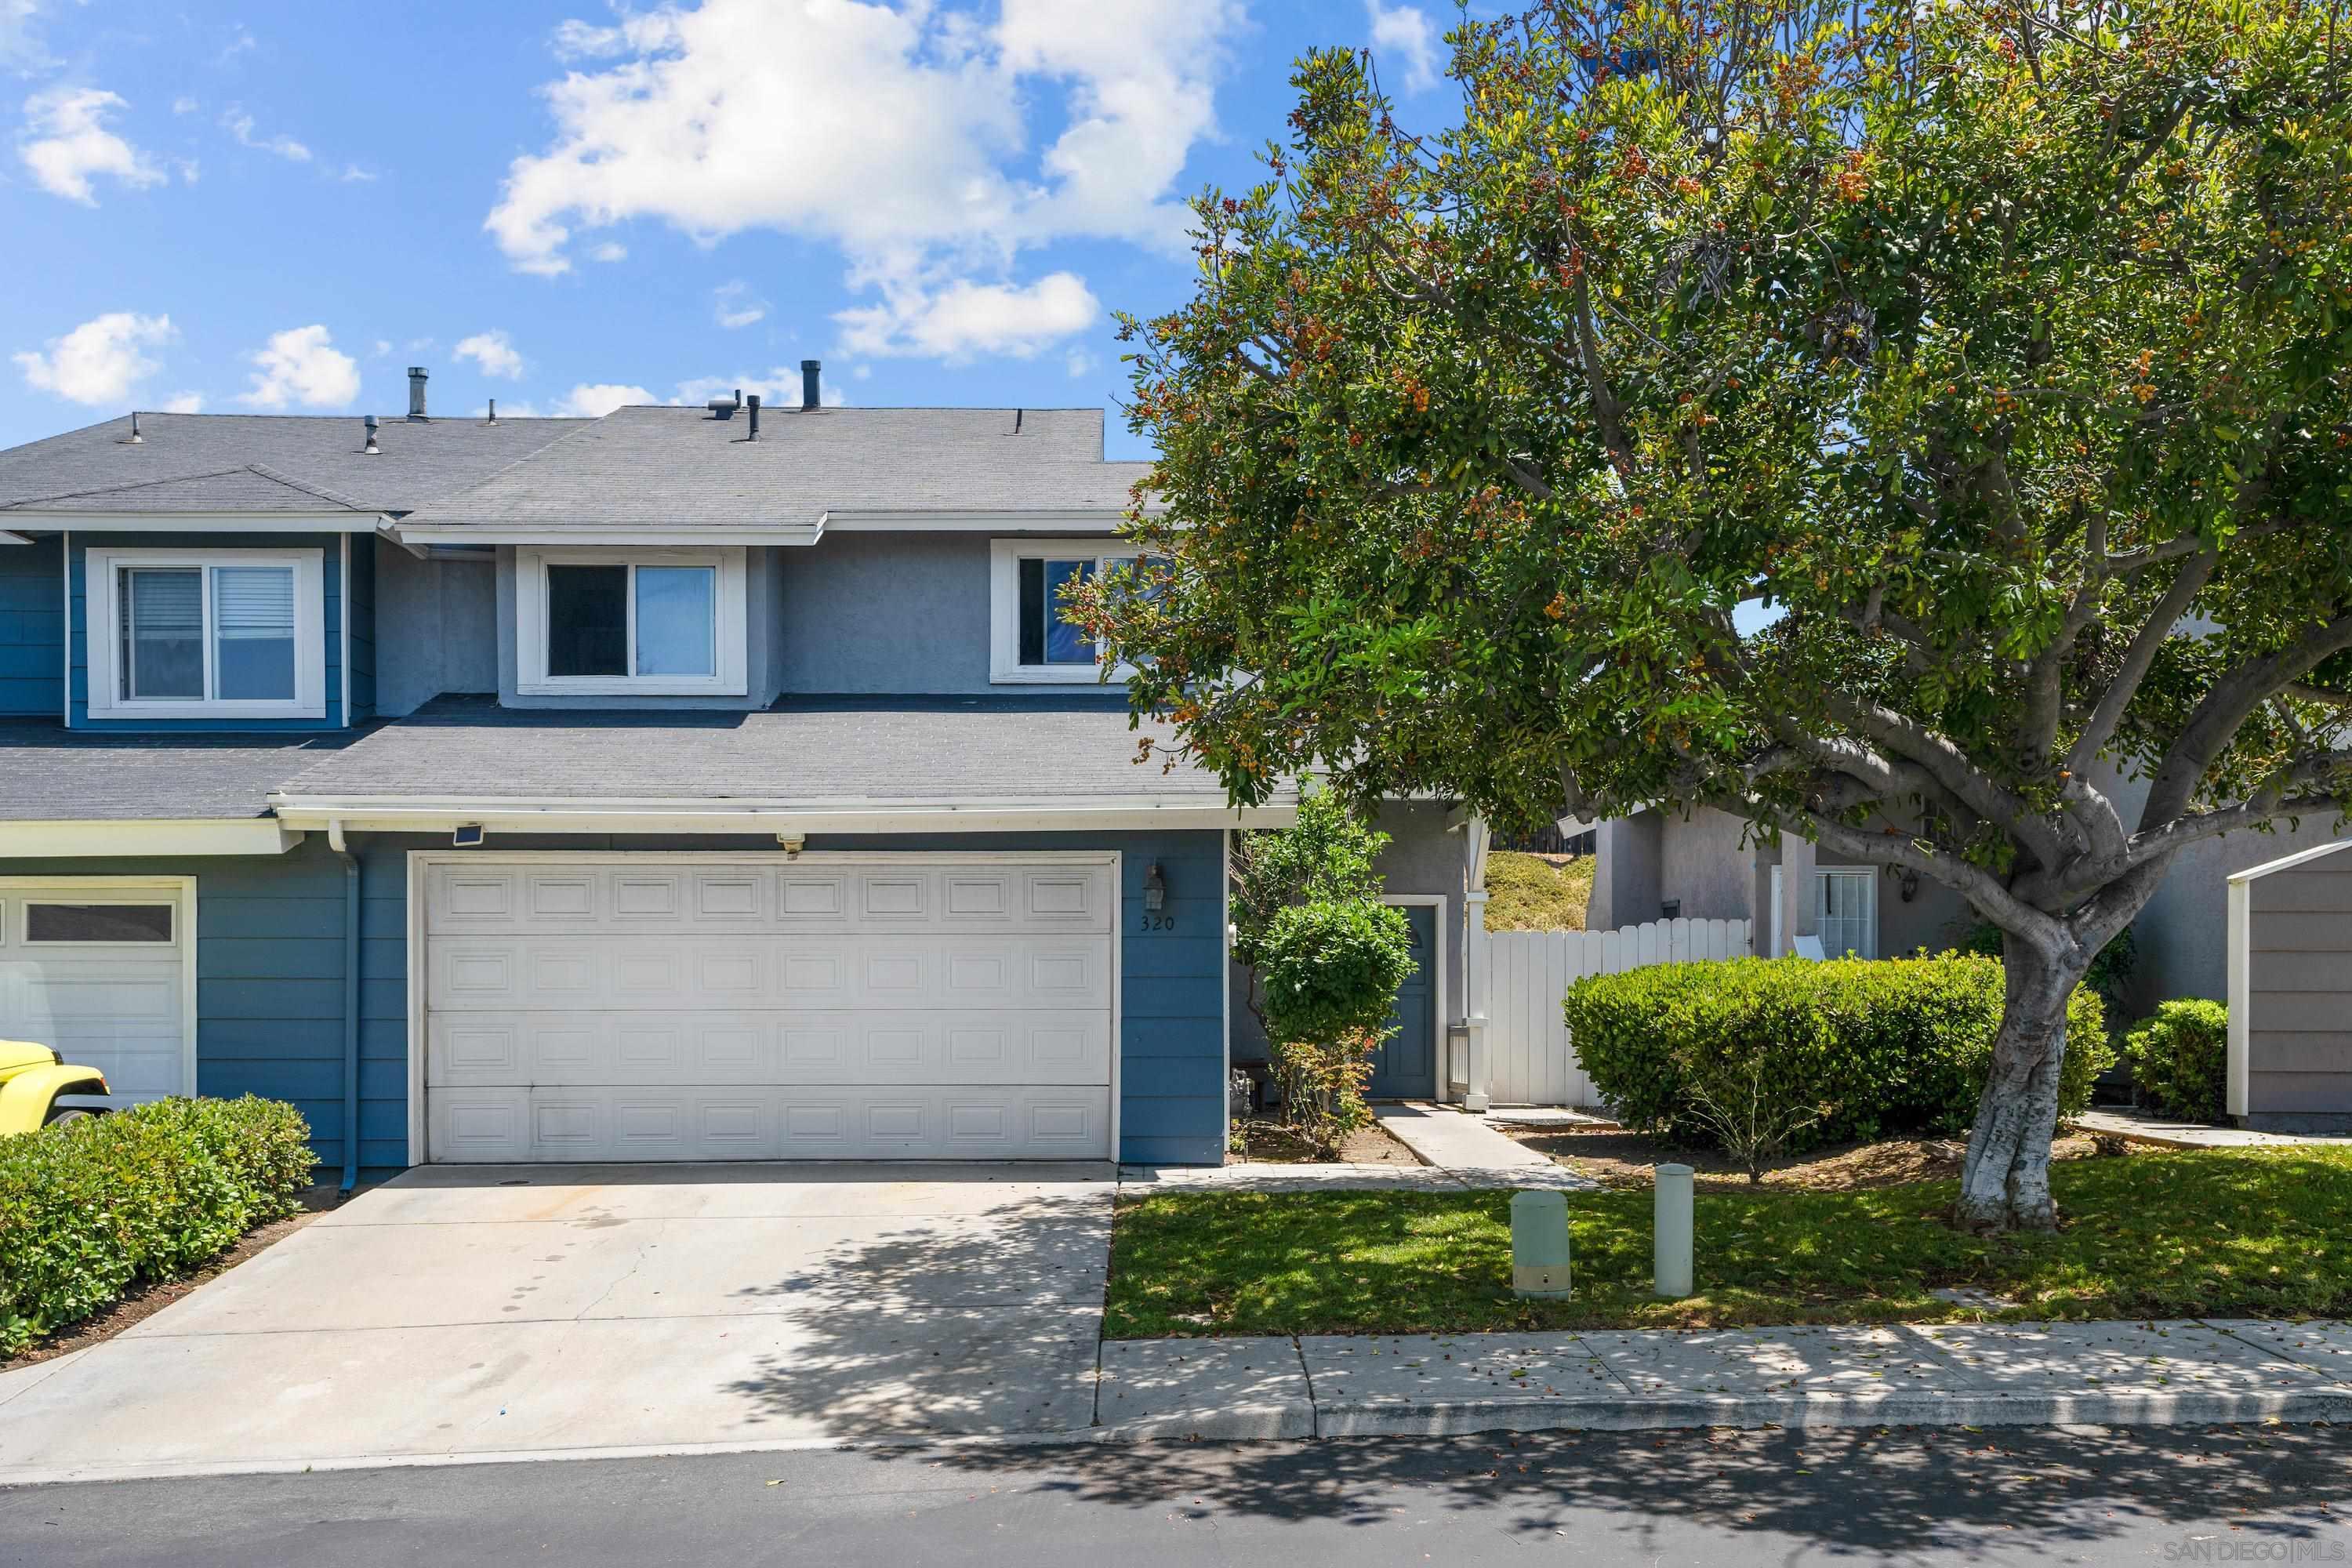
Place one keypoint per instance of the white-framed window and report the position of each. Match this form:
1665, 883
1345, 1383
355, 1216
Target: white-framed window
1845, 910
1030, 639
224, 634
611, 623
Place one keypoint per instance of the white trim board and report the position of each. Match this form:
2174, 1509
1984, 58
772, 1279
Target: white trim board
422, 861
183, 894
398, 815
146, 835
102, 566
204, 523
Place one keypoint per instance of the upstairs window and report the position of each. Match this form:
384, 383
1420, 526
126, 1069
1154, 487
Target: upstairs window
205, 634
1034, 641
612, 622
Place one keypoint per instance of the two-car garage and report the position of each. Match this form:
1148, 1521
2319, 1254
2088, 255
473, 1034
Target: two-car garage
731, 1006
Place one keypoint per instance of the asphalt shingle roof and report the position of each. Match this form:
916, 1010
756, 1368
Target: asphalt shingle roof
263, 462
50, 774
889, 749
653, 467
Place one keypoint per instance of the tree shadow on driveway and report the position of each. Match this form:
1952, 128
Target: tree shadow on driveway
986, 1322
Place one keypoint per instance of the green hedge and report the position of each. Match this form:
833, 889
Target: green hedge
90, 1209
2180, 1059
1895, 1047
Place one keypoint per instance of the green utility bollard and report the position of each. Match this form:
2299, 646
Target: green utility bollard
1672, 1229
1539, 1245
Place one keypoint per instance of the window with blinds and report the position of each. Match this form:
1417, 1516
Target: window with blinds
187, 631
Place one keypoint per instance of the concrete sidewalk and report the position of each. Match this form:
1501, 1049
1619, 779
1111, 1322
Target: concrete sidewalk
1975, 1374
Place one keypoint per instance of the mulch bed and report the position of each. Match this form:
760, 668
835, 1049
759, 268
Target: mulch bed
1616, 1158
1265, 1140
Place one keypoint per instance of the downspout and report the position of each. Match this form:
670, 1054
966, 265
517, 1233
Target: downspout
351, 1006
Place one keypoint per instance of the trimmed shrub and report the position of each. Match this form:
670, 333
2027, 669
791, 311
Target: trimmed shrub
1878, 1049
2180, 1059
89, 1209
1332, 969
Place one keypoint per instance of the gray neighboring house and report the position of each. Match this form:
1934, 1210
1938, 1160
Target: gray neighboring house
2290, 993
685, 784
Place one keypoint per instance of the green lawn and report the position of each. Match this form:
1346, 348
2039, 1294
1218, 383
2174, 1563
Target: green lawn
2261, 1233
1526, 892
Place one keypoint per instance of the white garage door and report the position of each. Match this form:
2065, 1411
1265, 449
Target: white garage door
750, 1007
102, 971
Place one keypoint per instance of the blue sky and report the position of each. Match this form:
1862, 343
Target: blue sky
279, 207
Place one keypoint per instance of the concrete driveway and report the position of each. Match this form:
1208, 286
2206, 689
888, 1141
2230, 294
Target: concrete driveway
461, 1312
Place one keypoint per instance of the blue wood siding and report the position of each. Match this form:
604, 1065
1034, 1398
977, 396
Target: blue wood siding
330, 545
362, 602
32, 628
269, 995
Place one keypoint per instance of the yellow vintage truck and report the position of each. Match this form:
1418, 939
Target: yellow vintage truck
33, 1079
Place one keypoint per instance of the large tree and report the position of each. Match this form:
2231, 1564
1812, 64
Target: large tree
1924, 430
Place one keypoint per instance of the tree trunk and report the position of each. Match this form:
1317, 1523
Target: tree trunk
2005, 1185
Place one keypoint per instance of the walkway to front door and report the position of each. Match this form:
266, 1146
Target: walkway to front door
1406, 1067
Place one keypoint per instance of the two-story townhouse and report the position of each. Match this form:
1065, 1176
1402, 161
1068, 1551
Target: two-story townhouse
685, 784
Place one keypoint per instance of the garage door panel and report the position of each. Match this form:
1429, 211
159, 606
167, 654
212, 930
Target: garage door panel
758, 1008
1013, 1046
724, 971
502, 1125
118, 1006
487, 900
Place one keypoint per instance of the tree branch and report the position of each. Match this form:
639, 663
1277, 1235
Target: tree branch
2138, 658
2227, 705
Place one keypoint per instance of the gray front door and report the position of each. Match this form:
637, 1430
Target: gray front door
1406, 1067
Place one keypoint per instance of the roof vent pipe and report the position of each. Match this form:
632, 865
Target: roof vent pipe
752, 402
136, 439
812, 385
368, 423
417, 392
494, 413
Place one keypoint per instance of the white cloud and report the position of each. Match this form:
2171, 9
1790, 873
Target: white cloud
183, 105
1406, 34
960, 319
593, 400
101, 360
65, 142
1079, 362
776, 388
382, 347
733, 305
353, 174
239, 124
493, 353
20, 46
185, 403
301, 365
896, 130
611, 250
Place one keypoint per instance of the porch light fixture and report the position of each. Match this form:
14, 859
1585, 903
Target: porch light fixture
1907, 883
1155, 887
468, 835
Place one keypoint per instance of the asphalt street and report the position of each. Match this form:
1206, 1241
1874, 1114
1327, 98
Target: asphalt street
2246, 1494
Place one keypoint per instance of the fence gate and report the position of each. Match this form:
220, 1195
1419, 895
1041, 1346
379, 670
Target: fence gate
1530, 1060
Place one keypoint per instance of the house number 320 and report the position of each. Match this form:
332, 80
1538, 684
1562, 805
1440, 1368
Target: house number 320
1158, 923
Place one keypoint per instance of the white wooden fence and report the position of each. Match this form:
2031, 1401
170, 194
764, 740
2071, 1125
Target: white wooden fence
1530, 1059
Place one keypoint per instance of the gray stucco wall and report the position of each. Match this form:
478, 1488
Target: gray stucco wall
759, 611
886, 612
2298, 999
1703, 863
437, 628
1626, 871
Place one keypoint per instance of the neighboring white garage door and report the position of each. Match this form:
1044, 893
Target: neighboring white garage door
699, 1007
102, 971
